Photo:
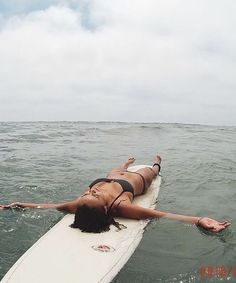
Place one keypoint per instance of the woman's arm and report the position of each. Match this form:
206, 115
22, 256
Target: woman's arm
138, 212
68, 206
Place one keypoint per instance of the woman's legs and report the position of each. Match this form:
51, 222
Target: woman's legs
122, 168
149, 173
128, 163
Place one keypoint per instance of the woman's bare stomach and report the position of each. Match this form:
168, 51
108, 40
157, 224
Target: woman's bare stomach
134, 179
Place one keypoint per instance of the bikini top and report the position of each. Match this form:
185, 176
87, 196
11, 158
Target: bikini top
126, 187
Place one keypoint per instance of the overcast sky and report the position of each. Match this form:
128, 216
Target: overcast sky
96, 60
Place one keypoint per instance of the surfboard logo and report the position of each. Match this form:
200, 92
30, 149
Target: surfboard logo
103, 248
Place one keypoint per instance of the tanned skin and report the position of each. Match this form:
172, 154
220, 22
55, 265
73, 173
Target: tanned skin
102, 194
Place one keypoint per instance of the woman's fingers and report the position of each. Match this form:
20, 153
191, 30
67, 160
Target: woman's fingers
221, 226
12, 205
225, 223
4, 206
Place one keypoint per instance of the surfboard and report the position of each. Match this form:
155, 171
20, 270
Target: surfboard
65, 255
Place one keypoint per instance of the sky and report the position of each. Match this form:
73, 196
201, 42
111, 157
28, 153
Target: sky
171, 61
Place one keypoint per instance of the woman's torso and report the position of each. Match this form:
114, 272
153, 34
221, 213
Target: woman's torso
115, 192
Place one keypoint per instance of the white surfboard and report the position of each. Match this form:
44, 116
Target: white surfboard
66, 255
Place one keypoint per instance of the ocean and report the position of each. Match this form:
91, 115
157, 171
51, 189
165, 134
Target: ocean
55, 161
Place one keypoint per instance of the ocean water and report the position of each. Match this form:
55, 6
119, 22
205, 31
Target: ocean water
55, 161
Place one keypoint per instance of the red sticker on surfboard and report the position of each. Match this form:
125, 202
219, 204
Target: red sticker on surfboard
103, 248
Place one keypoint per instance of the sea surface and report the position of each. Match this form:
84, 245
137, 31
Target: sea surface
55, 161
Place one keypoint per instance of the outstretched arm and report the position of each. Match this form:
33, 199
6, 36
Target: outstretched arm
67, 207
138, 212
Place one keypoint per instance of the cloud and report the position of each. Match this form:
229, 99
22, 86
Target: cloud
169, 61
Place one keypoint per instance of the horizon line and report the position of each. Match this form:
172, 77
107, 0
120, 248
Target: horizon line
113, 121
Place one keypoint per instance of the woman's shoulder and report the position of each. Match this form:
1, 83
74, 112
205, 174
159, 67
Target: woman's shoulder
119, 205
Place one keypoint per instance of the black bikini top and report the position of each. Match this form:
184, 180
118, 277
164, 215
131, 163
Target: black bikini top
126, 187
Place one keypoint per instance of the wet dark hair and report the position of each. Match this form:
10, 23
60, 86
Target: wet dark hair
95, 220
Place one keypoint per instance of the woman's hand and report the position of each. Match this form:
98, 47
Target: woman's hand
212, 225
3, 207
13, 205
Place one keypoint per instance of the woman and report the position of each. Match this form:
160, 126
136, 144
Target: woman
111, 197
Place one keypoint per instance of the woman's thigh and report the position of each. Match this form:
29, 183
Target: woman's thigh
148, 175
